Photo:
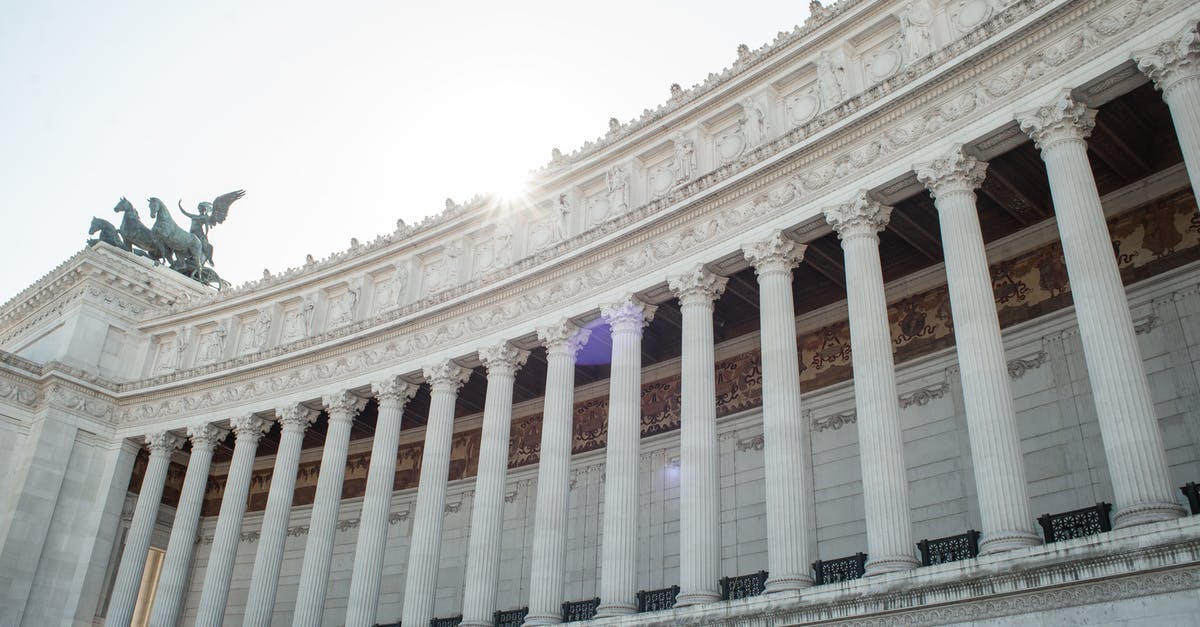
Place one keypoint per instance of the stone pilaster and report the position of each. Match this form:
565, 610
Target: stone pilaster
487, 511
787, 454
562, 342
392, 392
699, 459
264, 580
880, 442
1132, 442
1174, 66
137, 541
618, 550
322, 526
249, 429
171, 583
992, 424
425, 547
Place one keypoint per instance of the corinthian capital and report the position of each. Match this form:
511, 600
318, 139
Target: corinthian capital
446, 376
393, 389
861, 217
564, 337
295, 417
1172, 61
250, 427
956, 172
504, 359
163, 442
697, 287
777, 253
343, 405
206, 436
628, 315
1062, 119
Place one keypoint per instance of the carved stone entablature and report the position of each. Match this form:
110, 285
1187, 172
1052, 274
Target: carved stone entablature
80, 401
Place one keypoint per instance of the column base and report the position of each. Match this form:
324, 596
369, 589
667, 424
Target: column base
786, 583
1001, 541
1142, 513
536, 620
701, 597
891, 564
615, 609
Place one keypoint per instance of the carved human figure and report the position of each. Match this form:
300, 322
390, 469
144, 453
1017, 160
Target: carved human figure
173, 358
255, 338
685, 157
390, 290
212, 346
754, 122
502, 242
618, 190
296, 322
915, 20
562, 215
344, 306
831, 78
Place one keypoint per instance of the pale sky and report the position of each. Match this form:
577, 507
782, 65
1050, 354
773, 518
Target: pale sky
336, 118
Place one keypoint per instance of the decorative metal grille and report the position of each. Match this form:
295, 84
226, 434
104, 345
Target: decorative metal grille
452, 621
1192, 492
949, 549
843, 569
1076, 523
395, 624
580, 610
655, 600
510, 618
743, 586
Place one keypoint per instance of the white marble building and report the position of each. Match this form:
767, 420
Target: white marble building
643, 378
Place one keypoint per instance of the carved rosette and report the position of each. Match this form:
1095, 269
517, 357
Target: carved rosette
777, 253
250, 427
206, 436
1061, 120
629, 315
563, 337
295, 417
861, 217
1172, 62
393, 390
446, 376
343, 405
698, 287
163, 442
956, 172
503, 360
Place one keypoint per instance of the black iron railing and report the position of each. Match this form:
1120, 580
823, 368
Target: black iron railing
949, 549
510, 618
1192, 492
1076, 523
842, 569
655, 600
580, 610
743, 586
451, 621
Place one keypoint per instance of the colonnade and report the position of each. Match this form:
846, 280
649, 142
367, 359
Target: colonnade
1132, 442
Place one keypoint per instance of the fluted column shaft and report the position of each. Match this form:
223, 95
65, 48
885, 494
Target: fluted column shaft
991, 420
141, 529
787, 458
618, 549
1132, 442
363, 605
699, 459
264, 579
420, 583
880, 442
177, 563
483, 547
562, 342
215, 592
1174, 66
322, 525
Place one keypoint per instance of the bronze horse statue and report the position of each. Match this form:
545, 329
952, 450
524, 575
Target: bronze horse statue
108, 234
174, 240
134, 233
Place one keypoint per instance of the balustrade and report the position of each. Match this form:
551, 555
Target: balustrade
743, 586
655, 600
573, 611
510, 618
841, 569
1192, 492
1076, 523
949, 549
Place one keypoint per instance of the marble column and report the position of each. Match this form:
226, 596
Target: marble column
341, 407
1174, 66
1133, 444
177, 564
141, 529
264, 579
880, 442
392, 392
699, 459
215, 591
420, 582
548, 566
991, 420
618, 545
487, 510
787, 453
